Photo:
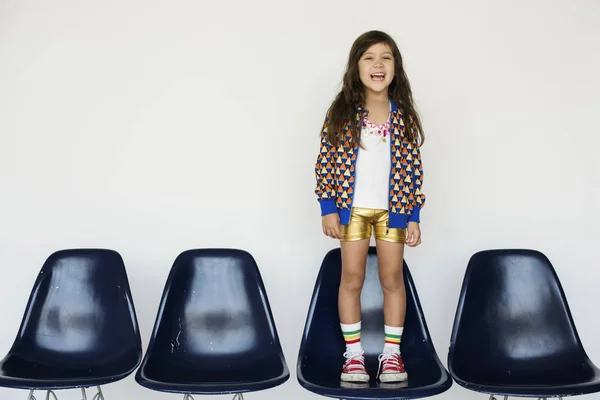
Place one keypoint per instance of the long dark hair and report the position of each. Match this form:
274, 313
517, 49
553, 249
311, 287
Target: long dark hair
352, 96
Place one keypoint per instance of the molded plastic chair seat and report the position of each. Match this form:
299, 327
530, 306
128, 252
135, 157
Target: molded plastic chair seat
24, 373
321, 352
214, 332
513, 332
79, 328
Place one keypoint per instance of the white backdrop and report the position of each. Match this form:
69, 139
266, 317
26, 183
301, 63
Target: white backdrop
154, 127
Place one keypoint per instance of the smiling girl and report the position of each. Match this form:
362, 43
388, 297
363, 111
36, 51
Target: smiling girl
369, 178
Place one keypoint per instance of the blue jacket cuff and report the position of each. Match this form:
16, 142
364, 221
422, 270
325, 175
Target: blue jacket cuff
327, 206
415, 216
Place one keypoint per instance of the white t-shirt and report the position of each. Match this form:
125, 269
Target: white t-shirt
372, 177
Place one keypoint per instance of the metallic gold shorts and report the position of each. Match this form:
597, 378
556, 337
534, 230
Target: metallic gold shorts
363, 219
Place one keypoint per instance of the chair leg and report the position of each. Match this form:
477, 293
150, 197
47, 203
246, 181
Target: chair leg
99, 395
187, 396
50, 392
238, 396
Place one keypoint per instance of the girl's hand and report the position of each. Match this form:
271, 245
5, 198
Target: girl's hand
413, 234
331, 225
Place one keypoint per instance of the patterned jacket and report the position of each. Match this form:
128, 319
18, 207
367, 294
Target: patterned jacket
335, 173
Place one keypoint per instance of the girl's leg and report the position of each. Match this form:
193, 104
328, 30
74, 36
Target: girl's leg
354, 261
354, 258
391, 256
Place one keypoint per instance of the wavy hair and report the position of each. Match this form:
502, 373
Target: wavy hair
342, 111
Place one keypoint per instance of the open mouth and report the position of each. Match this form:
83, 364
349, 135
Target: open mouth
378, 76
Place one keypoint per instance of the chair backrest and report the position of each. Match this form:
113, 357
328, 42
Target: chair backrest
513, 316
81, 307
322, 347
214, 306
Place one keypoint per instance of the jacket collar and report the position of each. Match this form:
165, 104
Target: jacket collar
362, 111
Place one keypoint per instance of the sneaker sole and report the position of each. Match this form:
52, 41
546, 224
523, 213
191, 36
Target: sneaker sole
399, 377
354, 377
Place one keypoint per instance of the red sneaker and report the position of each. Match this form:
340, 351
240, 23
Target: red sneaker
392, 368
354, 368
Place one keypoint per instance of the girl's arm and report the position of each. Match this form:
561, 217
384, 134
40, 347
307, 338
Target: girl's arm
324, 171
419, 196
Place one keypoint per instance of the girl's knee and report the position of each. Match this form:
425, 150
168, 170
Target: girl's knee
392, 282
352, 281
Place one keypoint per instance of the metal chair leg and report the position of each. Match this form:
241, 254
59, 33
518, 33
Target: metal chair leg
99, 395
50, 392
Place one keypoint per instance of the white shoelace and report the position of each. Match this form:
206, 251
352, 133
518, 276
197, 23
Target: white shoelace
349, 356
388, 357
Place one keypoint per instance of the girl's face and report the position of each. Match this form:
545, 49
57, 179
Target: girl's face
376, 68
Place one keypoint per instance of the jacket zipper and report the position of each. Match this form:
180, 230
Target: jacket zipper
391, 180
354, 173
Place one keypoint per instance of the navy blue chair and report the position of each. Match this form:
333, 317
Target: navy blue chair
321, 352
79, 329
513, 332
214, 332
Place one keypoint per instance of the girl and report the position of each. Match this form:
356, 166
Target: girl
369, 177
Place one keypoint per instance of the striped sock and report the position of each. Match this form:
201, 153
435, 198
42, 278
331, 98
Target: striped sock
352, 337
393, 336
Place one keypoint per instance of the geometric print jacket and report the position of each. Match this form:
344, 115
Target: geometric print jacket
335, 173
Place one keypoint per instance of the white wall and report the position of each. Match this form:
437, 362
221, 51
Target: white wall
153, 127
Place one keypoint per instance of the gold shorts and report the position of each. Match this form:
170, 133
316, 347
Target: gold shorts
363, 219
